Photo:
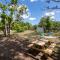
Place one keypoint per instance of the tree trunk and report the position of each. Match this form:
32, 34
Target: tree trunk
8, 29
5, 30
5, 33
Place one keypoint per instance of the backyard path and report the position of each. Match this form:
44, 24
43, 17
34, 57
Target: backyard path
13, 48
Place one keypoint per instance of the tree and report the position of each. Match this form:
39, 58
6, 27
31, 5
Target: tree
48, 23
45, 22
20, 26
35, 27
29, 25
12, 7
4, 17
56, 25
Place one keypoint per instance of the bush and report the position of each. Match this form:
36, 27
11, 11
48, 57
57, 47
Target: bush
20, 26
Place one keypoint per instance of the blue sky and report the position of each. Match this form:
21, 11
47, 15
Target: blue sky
37, 9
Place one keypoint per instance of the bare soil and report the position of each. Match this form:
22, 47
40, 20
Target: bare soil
15, 46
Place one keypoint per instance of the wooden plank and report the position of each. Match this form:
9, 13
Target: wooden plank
35, 41
31, 55
41, 43
52, 46
30, 45
36, 49
50, 49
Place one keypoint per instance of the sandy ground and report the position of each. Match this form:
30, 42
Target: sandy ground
13, 48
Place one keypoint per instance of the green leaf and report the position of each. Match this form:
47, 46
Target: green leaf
14, 1
1, 5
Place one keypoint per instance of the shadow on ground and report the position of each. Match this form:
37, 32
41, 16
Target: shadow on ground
13, 49
57, 53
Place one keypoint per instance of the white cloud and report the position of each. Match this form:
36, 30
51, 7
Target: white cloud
33, 0
52, 17
47, 14
28, 15
25, 16
32, 18
27, 9
50, 13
